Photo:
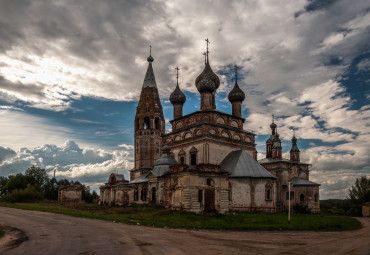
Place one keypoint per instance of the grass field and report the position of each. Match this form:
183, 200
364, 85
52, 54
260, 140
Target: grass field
159, 217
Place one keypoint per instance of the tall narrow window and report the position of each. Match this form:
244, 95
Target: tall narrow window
157, 124
193, 159
136, 195
200, 196
316, 197
301, 198
146, 122
268, 194
182, 160
143, 195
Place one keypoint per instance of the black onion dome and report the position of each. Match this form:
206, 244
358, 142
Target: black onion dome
150, 59
177, 97
207, 81
273, 125
236, 94
294, 139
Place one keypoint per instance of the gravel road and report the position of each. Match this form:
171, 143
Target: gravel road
54, 234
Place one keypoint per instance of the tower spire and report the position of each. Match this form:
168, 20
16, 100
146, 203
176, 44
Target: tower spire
149, 80
205, 57
177, 75
294, 151
207, 52
236, 73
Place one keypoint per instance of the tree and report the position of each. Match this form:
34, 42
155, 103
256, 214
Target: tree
360, 192
18, 181
37, 177
3, 182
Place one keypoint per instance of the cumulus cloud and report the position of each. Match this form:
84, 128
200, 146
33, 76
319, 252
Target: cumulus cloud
90, 166
292, 56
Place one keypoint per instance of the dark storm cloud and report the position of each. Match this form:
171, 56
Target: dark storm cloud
29, 90
6, 153
89, 27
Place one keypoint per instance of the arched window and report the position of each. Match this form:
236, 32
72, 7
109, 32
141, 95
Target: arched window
210, 182
143, 195
146, 122
268, 191
301, 198
157, 123
268, 194
154, 195
136, 195
193, 156
181, 156
200, 196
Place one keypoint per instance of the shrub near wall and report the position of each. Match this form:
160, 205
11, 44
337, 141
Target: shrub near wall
30, 194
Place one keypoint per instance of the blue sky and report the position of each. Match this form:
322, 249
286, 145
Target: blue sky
71, 74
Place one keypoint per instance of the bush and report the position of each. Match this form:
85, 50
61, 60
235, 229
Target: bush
301, 209
30, 194
355, 210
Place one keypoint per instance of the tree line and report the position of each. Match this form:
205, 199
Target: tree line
35, 185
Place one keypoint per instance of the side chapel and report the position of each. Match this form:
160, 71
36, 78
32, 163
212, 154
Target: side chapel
208, 162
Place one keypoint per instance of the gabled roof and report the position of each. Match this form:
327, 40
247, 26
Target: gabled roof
297, 181
140, 179
240, 164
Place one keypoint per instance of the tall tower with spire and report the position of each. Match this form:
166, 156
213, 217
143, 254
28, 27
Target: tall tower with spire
294, 151
149, 124
270, 141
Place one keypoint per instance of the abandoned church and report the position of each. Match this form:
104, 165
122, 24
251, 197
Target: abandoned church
208, 162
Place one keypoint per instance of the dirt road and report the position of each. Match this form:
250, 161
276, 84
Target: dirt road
58, 234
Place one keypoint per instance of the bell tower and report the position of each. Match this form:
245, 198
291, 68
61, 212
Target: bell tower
149, 124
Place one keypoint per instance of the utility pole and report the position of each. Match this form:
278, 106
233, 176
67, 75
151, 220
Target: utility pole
289, 183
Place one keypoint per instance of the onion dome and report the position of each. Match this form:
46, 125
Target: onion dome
276, 135
273, 125
207, 81
294, 144
177, 97
236, 94
150, 59
294, 140
166, 158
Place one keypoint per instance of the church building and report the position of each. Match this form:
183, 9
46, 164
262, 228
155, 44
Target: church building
208, 162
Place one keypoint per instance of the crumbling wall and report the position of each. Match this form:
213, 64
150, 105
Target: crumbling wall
70, 194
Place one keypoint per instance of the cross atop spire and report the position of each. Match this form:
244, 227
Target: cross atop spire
207, 52
150, 50
273, 116
236, 73
293, 132
177, 74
